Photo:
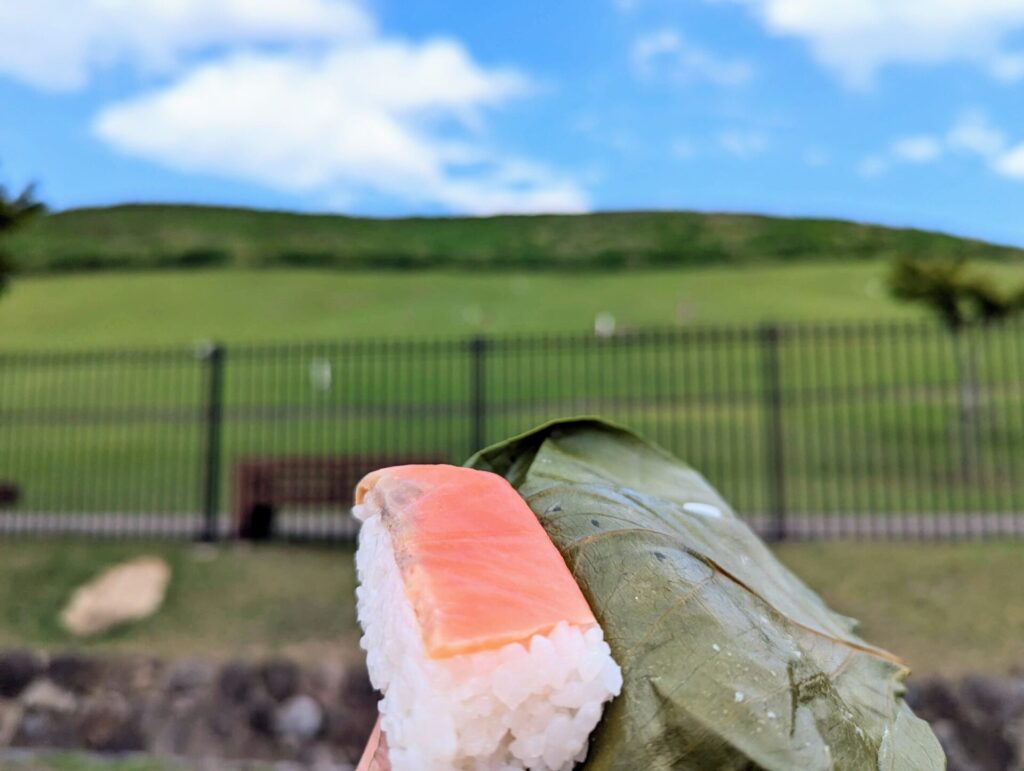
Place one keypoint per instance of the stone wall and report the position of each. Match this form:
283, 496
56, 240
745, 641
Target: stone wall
319, 716
979, 720
272, 710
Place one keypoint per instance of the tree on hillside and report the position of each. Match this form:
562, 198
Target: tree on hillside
962, 299
14, 210
956, 293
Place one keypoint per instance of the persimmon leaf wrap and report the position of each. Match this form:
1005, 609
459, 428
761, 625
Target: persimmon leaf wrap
729, 660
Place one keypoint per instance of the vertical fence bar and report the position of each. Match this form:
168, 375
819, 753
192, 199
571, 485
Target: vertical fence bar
477, 393
213, 357
801, 482
1016, 355
770, 335
906, 455
882, 394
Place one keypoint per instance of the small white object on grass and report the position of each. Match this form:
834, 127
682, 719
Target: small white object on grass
604, 324
320, 373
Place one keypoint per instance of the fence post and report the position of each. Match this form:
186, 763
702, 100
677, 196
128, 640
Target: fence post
213, 358
477, 393
770, 336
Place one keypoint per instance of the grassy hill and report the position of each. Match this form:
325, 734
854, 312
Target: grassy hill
179, 307
115, 276
139, 237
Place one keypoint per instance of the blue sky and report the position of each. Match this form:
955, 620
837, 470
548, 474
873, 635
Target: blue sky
903, 112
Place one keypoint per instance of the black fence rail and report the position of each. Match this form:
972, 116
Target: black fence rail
875, 430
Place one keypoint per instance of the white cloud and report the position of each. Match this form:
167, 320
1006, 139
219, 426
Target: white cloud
742, 144
857, 38
1011, 162
683, 149
1007, 67
872, 166
816, 156
380, 117
300, 95
63, 44
921, 148
667, 51
918, 149
972, 133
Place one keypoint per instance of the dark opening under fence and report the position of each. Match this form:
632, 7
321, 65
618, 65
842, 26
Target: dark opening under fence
809, 430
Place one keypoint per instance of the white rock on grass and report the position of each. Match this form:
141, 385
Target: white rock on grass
129, 591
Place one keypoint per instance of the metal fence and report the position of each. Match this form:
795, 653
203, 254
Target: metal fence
810, 430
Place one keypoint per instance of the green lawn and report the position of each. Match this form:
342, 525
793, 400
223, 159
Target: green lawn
222, 602
945, 608
179, 308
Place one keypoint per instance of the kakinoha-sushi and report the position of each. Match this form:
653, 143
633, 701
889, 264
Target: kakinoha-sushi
484, 647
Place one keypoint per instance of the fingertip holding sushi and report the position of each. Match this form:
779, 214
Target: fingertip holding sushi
484, 647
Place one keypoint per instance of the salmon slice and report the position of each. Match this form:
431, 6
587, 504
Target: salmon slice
478, 568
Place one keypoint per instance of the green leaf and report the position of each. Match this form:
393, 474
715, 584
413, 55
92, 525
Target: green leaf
729, 660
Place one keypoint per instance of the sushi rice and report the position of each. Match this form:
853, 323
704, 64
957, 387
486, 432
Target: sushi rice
525, 705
